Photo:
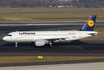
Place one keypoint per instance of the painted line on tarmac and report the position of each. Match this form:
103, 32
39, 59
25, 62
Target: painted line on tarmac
77, 47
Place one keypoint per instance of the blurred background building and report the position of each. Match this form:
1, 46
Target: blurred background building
52, 3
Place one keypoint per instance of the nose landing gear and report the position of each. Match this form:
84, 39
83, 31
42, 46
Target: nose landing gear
16, 44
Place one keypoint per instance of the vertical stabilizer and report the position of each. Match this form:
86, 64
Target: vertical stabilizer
89, 25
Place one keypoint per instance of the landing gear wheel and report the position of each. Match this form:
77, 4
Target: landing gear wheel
50, 45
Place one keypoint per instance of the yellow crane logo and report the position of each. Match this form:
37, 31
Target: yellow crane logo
91, 23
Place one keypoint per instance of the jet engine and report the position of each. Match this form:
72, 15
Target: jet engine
39, 43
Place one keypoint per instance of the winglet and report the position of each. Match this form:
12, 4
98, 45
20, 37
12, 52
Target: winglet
89, 25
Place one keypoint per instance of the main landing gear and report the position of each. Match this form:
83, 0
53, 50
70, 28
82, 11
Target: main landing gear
50, 44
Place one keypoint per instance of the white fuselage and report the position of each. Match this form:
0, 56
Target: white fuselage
32, 36
40, 38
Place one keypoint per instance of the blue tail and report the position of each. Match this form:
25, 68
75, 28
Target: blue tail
89, 26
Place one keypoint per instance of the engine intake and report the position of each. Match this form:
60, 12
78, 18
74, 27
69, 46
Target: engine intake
39, 43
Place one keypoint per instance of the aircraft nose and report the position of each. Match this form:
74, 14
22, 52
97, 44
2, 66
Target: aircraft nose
4, 38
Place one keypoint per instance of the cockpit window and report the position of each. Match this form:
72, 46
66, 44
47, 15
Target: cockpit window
9, 35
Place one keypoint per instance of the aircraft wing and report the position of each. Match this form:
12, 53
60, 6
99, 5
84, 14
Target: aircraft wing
57, 39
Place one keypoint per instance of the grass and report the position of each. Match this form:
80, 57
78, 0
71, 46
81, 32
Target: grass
10, 9
51, 16
51, 8
22, 59
1, 19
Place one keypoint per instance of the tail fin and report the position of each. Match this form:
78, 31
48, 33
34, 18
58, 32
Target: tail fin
89, 26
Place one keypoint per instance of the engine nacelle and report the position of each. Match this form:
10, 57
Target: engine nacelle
39, 43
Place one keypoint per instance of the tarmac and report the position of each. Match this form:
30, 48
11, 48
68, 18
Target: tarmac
75, 48
77, 66
20, 11
64, 47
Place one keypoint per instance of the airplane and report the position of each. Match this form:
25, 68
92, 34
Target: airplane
41, 38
